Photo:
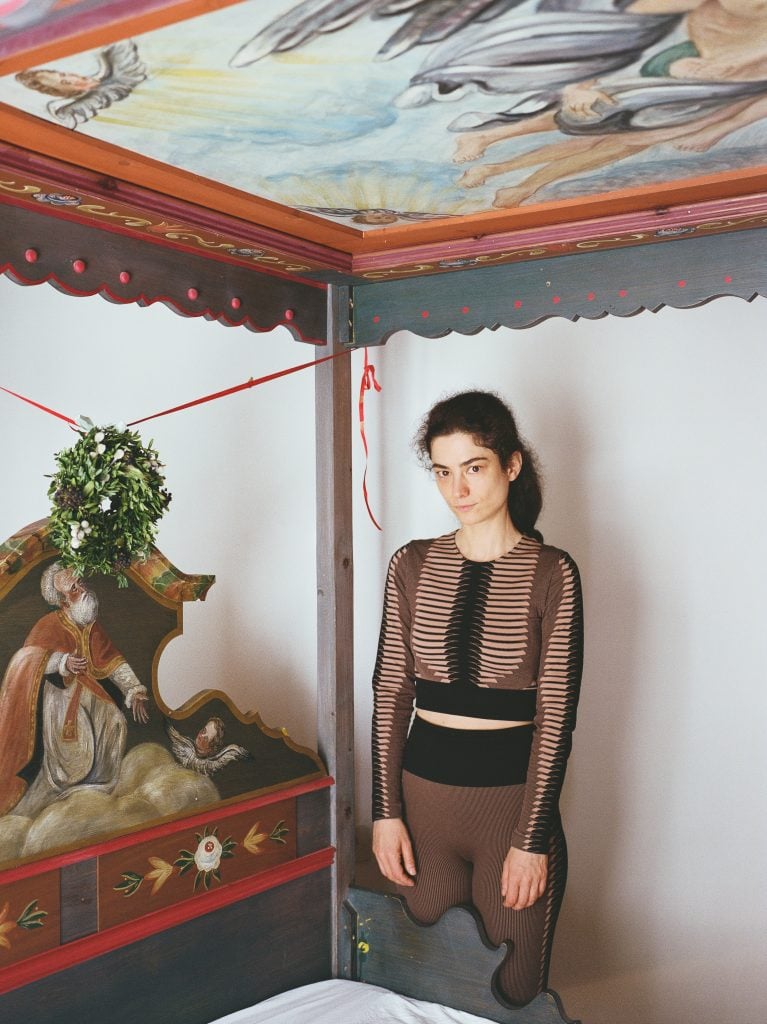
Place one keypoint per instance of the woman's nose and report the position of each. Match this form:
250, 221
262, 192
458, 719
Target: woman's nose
460, 486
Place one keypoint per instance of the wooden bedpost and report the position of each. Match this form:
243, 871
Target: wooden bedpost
335, 623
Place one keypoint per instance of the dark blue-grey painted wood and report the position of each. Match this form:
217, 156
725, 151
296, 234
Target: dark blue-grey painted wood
191, 284
79, 900
197, 971
450, 962
335, 601
682, 273
312, 822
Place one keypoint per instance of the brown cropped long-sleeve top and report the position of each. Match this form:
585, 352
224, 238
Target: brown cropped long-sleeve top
515, 623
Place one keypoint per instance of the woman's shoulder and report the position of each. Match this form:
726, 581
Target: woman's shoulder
416, 551
555, 558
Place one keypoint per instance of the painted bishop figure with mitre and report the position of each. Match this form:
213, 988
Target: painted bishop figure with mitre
61, 723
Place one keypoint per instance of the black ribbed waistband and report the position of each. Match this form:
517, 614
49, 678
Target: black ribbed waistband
475, 701
468, 757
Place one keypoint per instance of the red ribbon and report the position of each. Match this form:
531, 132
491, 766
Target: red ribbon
238, 387
58, 415
367, 383
197, 401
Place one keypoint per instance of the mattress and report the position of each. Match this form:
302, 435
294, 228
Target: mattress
347, 1002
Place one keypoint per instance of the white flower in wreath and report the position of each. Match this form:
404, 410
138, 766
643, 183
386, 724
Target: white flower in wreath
105, 504
207, 856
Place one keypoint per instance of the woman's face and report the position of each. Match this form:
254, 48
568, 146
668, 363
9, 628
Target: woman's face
471, 478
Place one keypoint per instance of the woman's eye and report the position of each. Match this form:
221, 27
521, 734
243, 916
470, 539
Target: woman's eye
474, 469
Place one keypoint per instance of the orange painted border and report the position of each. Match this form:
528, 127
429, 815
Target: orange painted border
59, 143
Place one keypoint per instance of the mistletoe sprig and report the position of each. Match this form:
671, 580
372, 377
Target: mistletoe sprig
108, 496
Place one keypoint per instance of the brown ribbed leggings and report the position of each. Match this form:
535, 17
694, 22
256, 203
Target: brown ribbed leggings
461, 836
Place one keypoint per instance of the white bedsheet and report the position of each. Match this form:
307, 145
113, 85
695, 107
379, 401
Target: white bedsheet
347, 1002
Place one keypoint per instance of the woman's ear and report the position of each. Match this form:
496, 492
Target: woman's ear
515, 466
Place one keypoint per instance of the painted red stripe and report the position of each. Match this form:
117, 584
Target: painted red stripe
166, 828
73, 953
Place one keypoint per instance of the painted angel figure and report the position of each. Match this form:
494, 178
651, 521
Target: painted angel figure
533, 57
119, 72
206, 753
691, 95
428, 21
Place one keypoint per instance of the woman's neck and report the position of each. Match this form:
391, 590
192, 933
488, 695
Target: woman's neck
487, 541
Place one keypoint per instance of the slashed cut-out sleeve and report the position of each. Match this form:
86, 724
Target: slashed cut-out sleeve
559, 682
393, 692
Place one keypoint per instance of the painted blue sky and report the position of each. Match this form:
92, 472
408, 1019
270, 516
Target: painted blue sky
318, 126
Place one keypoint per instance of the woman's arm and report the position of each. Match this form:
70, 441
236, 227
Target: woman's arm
393, 693
559, 681
525, 870
393, 696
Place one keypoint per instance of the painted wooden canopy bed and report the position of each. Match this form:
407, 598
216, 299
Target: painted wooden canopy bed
303, 164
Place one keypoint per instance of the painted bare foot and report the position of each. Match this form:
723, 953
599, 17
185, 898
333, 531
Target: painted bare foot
474, 176
507, 197
470, 147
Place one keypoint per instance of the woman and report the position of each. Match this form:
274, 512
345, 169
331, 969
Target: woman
482, 630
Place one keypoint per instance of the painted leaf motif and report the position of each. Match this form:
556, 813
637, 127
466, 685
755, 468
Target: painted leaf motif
160, 873
278, 832
5, 926
31, 917
130, 883
253, 840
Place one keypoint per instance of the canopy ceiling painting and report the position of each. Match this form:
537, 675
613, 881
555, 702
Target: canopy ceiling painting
376, 112
364, 111
356, 142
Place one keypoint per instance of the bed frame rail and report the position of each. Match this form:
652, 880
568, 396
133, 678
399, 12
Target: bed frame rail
449, 962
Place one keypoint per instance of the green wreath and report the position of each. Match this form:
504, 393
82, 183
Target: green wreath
108, 496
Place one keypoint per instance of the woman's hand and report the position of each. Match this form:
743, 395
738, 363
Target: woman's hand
523, 879
393, 850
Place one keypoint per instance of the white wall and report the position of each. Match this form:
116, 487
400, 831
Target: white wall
241, 471
651, 432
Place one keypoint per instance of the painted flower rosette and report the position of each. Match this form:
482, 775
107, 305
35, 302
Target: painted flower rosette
108, 496
207, 856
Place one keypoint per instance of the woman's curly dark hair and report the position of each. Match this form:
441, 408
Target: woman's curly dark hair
491, 423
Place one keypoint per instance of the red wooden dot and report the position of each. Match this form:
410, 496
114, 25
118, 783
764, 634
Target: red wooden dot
31, 255
192, 293
623, 293
555, 299
290, 314
376, 319
591, 296
424, 313
465, 309
681, 284
79, 266
517, 304
124, 276
728, 280
235, 302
